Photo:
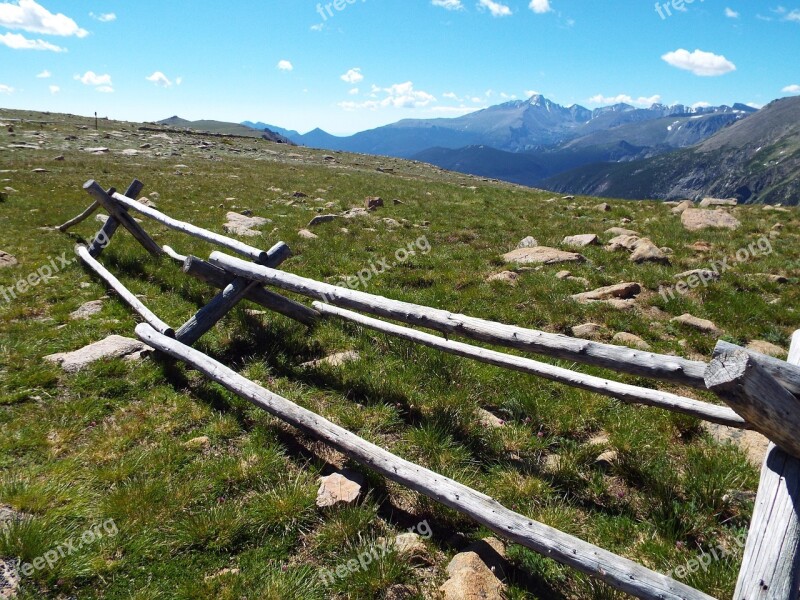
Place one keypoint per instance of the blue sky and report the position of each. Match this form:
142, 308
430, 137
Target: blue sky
364, 63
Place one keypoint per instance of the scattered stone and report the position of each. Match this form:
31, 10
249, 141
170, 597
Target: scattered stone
568, 197
647, 251
697, 219
319, 219
242, 225
604, 207
129, 152
777, 278
397, 201
299, 195
198, 442
9, 579
752, 443
623, 241
621, 231
528, 242
305, 233
708, 202
628, 339
471, 578
563, 274
701, 246
678, 210
354, 213
607, 459
505, 276
334, 360
373, 203
541, 255
87, 310
701, 274
7, 260
400, 591
620, 291
703, 325
40, 170
764, 347
114, 346
391, 223
489, 420
101, 150
588, 330
581, 241
344, 486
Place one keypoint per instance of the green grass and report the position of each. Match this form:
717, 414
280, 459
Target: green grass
237, 518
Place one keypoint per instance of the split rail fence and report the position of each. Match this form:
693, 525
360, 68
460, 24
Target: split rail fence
759, 392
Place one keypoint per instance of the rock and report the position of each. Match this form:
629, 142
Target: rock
621, 231
622, 241
580, 241
9, 579
607, 459
410, 545
505, 276
678, 210
354, 213
299, 195
488, 420
587, 330
129, 152
319, 219
552, 463
87, 310
101, 150
568, 198
397, 201
198, 442
620, 291
703, 325
563, 275
344, 486
7, 260
647, 251
752, 443
334, 360
697, 219
40, 170
400, 591
471, 579
541, 255
243, 225
528, 242
114, 346
305, 233
702, 274
764, 347
373, 203
599, 439
604, 207
708, 202
391, 223
700, 246
628, 339
770, 277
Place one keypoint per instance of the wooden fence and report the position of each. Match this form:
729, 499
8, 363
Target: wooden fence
760, 392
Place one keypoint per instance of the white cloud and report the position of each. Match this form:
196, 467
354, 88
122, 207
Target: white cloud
451, 96
755, 105
104, 17
793, 16
178, 80
701, 105
6, 89
399, 95
791, 89
353, 92
285, 65
455, 110
318, 27
353, 76
105, 89
497, 9
703, 64
731, 14
540, 6
30, 16
643, 101
92, 78
449, 4
529, 93
54, 89
44, 75
17, 41
159, 79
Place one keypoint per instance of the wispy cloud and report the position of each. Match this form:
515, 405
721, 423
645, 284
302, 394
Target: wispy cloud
54, 89
354, 75
17, 41
731, 14
104, 17
449, 4
285, 65
44, 75
6, 89
495, 8
399, 95
644, 101
33, 17
703, 64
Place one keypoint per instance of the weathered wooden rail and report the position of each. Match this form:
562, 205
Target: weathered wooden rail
760, 393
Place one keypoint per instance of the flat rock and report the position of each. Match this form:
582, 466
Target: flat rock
587, 330
604, 207
619, 291
697, 219
628, 339
354, 213
114, 346
243, 225
646, 251
391, 223
703, 274
7, 260
621, 231
701, 246
703, 325
678, 210
321, 219
489, 420
541, 255
623, 241
471, 579
344, 486
768, 348
334, 360
99, 150
305, 233
607, 459
580, 241
40, 170
708, 202
87, 310
505, 277
528, 242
